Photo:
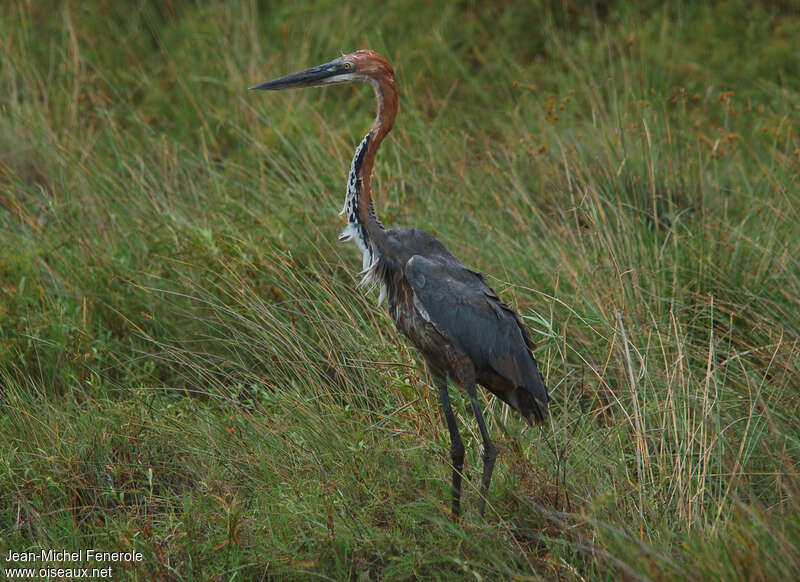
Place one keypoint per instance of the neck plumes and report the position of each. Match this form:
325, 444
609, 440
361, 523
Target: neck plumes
363, 226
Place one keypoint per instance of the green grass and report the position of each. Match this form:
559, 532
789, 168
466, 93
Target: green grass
188, 369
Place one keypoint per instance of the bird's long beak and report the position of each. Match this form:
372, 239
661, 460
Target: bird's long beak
334, 72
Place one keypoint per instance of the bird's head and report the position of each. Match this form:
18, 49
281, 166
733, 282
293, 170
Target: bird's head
362, 65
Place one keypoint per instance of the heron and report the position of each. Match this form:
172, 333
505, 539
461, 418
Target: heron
465, 333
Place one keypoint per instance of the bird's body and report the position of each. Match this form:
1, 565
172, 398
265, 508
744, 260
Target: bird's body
456, 320
464, 331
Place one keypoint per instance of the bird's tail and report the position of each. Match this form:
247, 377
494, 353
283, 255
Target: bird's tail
533, 396
525, 393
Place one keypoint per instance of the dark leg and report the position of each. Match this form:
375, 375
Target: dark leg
489, 450
456, 446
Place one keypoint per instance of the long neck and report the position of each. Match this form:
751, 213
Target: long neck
363, 226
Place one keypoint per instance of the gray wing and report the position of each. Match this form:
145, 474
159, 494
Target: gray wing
461, 306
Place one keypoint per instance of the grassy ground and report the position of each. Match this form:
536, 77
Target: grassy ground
188, 369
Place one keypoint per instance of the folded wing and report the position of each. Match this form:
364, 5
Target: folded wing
464, 309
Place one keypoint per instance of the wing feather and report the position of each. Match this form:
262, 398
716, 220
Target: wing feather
462, 307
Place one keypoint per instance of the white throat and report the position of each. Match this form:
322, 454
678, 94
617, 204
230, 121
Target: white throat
356, 230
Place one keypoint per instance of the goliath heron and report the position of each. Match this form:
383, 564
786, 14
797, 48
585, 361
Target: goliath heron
464, 331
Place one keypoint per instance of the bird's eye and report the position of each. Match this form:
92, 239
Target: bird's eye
347, 66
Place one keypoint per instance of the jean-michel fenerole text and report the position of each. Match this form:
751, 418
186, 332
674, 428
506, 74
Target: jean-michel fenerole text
88, 555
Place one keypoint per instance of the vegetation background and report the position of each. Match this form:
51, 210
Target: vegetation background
188, 369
